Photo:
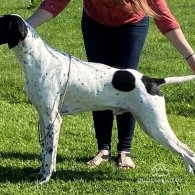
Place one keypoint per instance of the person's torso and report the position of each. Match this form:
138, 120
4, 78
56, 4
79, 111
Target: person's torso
111, 12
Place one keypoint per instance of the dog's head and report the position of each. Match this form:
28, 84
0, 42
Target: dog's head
12, 30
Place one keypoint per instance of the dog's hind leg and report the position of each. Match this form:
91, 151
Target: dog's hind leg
167, 138
189, 160
186, 154
153, 120
50, 129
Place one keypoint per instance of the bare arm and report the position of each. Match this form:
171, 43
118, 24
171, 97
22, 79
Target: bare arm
39, 17
177, 38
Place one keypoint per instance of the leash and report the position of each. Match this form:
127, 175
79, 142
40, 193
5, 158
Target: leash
61, 104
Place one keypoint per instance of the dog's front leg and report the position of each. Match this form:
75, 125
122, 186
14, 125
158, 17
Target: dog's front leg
50, 130
42, 135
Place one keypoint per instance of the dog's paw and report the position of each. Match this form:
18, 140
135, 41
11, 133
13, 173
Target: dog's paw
44, 179
190, 169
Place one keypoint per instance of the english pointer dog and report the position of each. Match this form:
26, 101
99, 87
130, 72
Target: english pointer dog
57, 83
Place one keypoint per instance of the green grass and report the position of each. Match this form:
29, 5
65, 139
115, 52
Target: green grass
158, 170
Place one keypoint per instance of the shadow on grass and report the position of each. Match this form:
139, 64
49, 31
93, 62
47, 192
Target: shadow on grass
26, 156
91, 175
30, 175
16, 174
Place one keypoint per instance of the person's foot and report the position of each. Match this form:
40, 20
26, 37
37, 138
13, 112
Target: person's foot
102, 156
124, 160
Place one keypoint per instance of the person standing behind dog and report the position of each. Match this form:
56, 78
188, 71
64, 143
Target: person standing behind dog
114, 32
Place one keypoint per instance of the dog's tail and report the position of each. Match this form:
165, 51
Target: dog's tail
172, 80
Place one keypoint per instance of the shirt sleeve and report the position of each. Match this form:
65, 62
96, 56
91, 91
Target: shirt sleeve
54, 6
165, 20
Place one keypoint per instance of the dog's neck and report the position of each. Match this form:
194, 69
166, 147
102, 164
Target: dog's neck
27, 53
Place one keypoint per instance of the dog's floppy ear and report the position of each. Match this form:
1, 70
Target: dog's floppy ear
12, 30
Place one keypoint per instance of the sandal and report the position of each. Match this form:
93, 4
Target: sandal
98, 159
124, 160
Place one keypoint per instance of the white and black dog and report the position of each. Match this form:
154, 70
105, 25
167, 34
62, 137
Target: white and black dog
59, 84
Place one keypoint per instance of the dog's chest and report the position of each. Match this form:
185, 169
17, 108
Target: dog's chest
45, 78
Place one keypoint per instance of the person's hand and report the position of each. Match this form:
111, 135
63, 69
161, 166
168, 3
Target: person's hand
191, 62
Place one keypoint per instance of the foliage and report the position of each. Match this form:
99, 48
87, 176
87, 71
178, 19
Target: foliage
33, 3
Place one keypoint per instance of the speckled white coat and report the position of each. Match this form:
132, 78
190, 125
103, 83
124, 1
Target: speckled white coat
89, 88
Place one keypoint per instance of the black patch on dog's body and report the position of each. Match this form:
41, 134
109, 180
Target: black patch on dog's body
159, 81
152, 85
123, 81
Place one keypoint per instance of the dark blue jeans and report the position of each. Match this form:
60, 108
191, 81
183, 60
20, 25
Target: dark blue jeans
119, 47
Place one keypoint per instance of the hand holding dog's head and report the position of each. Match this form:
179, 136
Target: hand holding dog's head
12, 30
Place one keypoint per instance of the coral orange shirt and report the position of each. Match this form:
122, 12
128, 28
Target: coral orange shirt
112, 13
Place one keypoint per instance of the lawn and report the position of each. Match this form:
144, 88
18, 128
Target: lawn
158, 170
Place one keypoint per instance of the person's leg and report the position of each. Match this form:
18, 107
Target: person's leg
98, 45
130, 40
